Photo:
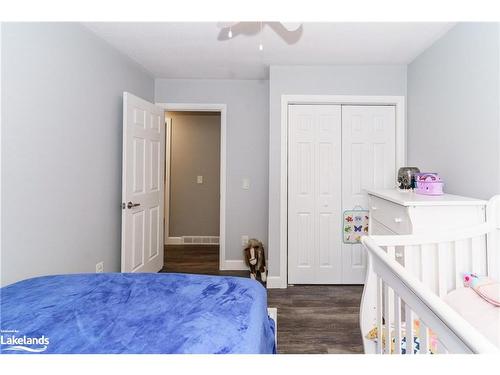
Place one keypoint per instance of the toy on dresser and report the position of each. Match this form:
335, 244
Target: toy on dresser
406, 177
428, 184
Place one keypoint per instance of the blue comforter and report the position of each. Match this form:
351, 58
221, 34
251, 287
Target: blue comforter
135, 313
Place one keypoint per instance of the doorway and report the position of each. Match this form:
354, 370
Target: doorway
192, 193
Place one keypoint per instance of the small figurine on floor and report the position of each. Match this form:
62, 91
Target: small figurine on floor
255, 259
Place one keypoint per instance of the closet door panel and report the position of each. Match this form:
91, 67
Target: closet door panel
329, 194
314, 196
369, 161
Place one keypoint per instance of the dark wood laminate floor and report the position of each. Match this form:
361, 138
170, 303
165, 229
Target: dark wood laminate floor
312, 319
202, 259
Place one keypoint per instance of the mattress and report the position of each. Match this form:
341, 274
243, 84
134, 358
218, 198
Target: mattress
135, 313
482, 315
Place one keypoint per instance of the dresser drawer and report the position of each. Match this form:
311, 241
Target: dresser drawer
391, 215
378, 229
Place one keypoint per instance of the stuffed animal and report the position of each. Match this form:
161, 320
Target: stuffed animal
486, 288
255, 259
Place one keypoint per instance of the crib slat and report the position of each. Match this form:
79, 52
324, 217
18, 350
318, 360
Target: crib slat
424, 338
397, 324
409, 316
442, 269
441, 349
388, 311
409, 261
459, 256
379, 316
391, 251
476, 254
425, 269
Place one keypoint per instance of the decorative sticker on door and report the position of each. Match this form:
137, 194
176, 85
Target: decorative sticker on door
355, 225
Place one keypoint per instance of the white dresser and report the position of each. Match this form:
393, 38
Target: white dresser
394, 211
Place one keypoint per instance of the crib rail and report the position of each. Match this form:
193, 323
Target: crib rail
407, 277
400, 299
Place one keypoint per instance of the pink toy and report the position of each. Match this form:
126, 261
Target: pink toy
470, 280
428, 184
487, 289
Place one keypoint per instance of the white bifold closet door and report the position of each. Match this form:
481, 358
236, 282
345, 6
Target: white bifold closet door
334, 153
314, 194
368, 162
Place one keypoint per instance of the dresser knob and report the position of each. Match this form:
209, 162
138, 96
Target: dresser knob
398, 220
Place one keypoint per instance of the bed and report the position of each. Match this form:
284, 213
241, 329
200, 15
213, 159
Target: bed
414, 300
136, 313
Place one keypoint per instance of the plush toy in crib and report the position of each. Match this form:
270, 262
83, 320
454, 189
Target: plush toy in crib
255, 258
487, 289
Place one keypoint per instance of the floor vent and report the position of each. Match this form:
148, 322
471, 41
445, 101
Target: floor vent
200, 240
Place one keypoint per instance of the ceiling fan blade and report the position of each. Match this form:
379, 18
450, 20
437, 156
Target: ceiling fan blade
290, 32
291, 26
224, 25
240, 28
290, 37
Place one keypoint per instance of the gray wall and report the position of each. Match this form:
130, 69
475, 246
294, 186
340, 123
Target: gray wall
325, 80
247, 149
453, 110
195, 151
62, 148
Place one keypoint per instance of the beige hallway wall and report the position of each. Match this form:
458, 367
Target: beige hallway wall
195, 151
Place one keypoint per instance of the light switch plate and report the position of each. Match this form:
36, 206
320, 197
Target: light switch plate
245, 184
199, 179
244, 240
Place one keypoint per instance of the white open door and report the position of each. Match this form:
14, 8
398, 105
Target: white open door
142, 185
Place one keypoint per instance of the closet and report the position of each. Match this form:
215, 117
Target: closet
335, 153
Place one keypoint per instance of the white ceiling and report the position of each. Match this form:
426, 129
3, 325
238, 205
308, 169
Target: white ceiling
192, 50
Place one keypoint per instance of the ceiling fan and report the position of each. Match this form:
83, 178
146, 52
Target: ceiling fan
290, 32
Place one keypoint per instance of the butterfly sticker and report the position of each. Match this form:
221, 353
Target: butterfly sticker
355, 225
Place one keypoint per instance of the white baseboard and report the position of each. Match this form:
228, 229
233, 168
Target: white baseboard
275, 282
233, 265
174, 241
193, 240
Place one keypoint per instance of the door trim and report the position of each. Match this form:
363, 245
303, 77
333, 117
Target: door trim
397, 101
222, 109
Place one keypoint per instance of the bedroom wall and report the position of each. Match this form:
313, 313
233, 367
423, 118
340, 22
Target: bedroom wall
453, 109
195, 151
247, 149
326, 80
62, 148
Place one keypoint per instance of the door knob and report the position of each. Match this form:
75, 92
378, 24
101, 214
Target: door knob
130, 204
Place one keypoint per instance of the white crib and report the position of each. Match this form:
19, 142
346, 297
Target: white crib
401, 287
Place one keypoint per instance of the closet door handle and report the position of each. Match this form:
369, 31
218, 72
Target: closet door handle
130, 205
